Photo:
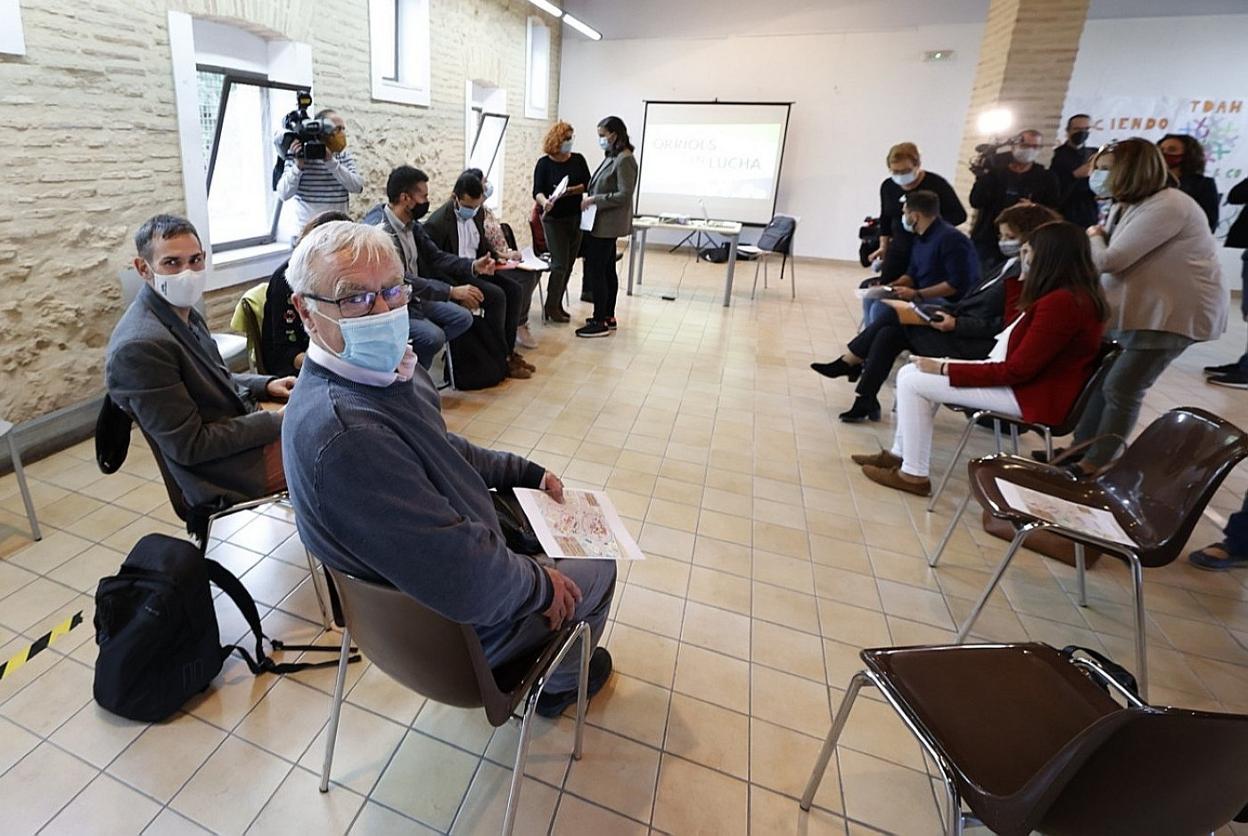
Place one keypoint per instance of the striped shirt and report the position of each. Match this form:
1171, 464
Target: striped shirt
320, 185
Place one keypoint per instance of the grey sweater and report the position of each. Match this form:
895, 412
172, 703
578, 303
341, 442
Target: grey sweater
382, 491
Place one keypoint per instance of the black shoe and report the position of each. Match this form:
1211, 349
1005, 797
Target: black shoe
594, 328
552, 705
611, 323
839, 368
1226, 368
1235, 379
864, 409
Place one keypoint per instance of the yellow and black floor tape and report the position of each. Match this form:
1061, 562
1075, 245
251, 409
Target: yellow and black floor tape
40, 644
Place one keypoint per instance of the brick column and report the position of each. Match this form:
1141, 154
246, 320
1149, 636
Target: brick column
1025, 62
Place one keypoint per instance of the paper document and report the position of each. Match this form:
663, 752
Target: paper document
587, 217
1084, 518
879, 291
585, 526
532, 262
559, 190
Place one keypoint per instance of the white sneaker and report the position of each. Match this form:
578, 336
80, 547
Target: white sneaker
524, 338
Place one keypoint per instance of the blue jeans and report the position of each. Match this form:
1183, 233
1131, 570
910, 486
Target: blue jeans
596, 579
1236, 531
442, 321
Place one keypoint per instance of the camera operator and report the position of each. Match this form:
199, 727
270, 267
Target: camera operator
1004, 180
320, 185
1072, 163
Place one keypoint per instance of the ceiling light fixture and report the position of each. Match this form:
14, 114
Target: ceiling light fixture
548, 7
584, 28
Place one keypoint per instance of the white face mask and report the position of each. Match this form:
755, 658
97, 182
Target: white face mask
905, 179
182, 290
1026, 155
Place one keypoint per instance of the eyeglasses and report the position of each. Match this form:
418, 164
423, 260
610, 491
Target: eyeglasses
360, 304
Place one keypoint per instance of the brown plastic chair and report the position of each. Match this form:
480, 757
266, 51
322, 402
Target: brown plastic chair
1032, 741
1105, 359
444, 661
1156, 491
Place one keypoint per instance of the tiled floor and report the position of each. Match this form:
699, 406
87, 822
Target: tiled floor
770, 563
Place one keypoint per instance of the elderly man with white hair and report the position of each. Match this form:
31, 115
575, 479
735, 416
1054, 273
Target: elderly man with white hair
381, 490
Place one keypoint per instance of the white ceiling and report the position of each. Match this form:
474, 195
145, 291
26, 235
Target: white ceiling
726, 18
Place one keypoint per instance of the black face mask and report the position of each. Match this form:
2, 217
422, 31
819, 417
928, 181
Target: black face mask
420, 210
1078, 138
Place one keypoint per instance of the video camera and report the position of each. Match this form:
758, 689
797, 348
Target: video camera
868, 239
311, 133
987, 154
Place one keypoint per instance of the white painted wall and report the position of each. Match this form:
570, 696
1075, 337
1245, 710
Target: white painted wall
855, 95
1197, 57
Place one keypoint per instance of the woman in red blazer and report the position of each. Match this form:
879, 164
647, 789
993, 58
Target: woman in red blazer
1050, 351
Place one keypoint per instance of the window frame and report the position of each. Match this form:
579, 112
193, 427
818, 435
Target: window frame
417, 89
232, 76
532, 111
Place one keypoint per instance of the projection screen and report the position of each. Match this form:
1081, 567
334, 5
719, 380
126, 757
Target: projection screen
725, 156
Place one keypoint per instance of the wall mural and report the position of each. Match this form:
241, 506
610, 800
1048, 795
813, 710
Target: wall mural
1221, 125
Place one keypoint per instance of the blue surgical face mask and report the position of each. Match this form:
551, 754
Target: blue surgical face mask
488, 191
905, 179
566, 148
906, 224
1098, 182
1009, 247
604, 143
466, 213
376, 342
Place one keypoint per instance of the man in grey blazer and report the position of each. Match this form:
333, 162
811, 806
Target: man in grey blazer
164, 370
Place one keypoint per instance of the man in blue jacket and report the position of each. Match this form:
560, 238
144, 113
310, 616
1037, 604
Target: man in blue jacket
943, 264
381, 490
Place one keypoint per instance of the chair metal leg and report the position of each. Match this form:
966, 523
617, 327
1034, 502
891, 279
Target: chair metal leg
996, 433
517, 769
327, 618
579, 634
582, 688
948, 535
20, 473
1081, 574
758, 263
1048, 445
1015, 545
834, 734
1014, 438
953, 463
1141, 648
335, 708
793, 280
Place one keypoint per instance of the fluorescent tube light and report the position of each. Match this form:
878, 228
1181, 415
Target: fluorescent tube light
548, 7
584, 28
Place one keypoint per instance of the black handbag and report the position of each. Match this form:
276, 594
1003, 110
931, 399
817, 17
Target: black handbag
477, 358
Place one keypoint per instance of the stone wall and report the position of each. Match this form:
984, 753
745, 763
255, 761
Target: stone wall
91, 149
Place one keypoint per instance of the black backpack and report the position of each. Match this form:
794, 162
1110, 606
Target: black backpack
478, 357
156, 628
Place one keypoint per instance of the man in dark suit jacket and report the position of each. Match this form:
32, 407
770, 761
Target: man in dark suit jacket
458, 227
164, 370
